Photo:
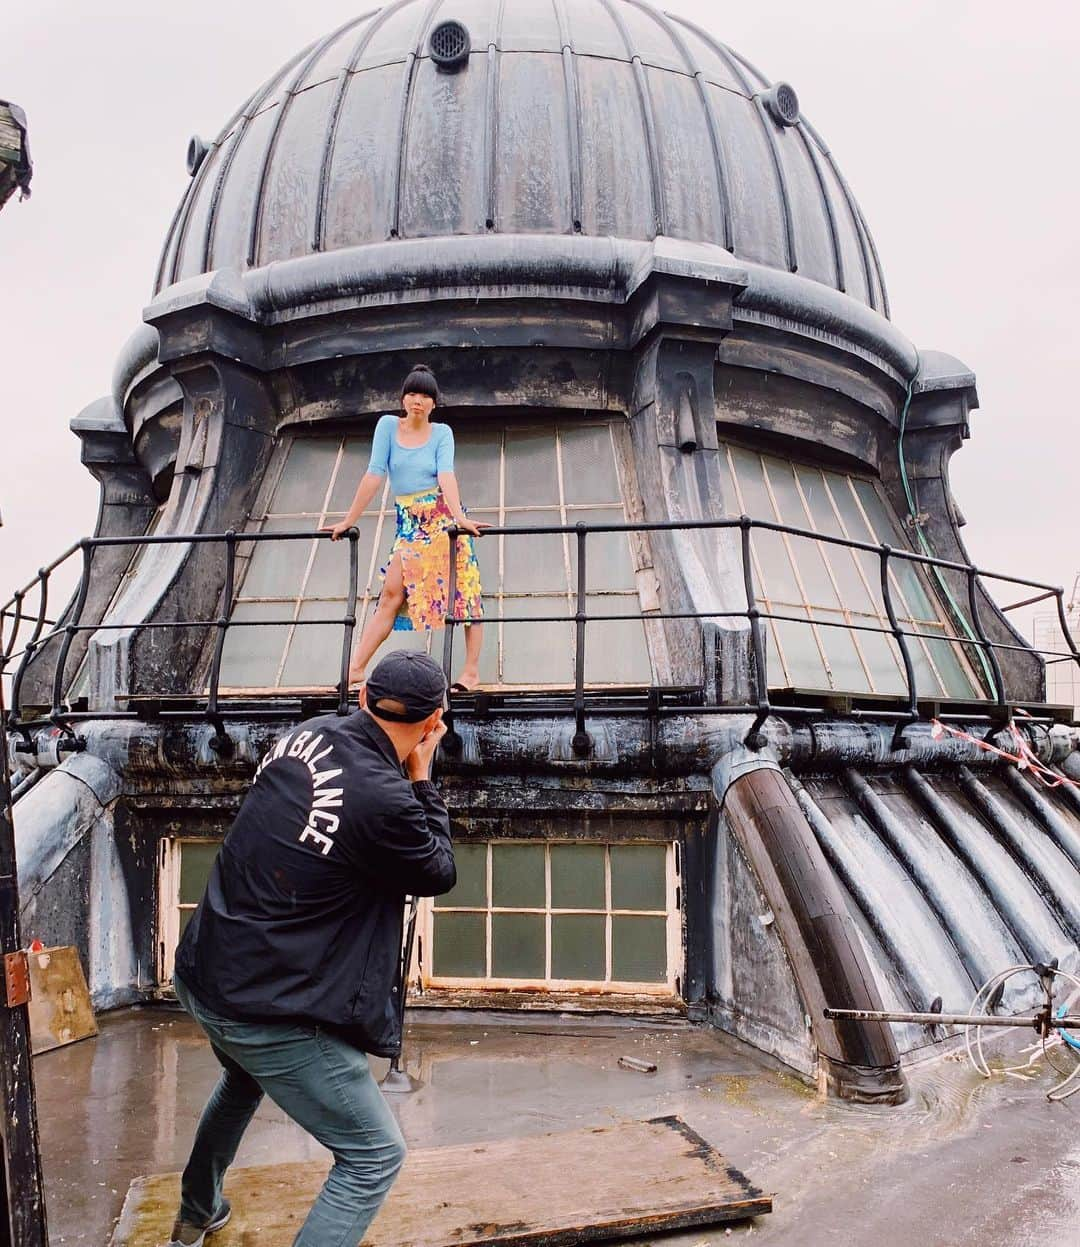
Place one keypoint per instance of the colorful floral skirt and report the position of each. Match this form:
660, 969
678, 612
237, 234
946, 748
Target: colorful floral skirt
422, 542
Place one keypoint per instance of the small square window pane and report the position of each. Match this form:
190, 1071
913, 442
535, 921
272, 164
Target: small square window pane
315, 651
251, 655
530, 467
615, 650
517, 876
487, 551
588, 460
608, 562
537, 653
329, 575
638, 949
350, 473
639, 876
517, 946
946, 655
186, 916
276, 568
797, 645
460, 946
578, 947
845, 670
534, 564
195, 863
577, 876
471, 886
476, 465
306, 476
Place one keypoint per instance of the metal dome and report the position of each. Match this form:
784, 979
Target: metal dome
601, 117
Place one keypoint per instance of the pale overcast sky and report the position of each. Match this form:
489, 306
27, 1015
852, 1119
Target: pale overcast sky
952, 121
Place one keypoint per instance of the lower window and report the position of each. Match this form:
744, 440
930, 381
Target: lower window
557, 916
185, 868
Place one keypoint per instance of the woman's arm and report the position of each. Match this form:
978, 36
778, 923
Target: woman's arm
370, 484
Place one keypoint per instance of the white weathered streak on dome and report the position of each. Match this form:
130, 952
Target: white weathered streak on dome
600, 117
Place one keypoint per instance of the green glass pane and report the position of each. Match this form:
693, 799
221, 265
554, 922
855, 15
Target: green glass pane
186, 916
517, 946
577, 876
460, 950
315, 651
471, 886
329, 576
608, 561
276, 569
537, 653
615, 649
638, 950
306, 476
588, 461
476, 465
350, 472
195, 863
639, 876
517, 876
530, 467
577, 947
534, 564
251, 655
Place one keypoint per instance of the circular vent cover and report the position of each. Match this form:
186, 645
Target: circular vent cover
782, 103
449, 45
197, 150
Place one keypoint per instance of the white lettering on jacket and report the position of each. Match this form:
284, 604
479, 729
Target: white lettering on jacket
321, 824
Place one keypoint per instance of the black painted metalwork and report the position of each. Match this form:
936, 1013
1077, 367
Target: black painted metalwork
582, 741
582, 701
22, 1188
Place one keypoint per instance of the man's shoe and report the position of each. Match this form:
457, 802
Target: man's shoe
185, 1234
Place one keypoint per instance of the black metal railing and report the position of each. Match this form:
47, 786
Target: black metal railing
14, 618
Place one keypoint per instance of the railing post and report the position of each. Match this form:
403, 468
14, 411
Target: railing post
755, 738
885, 551
582, 743
349, 621
450, 740
6, 648
222, 742
1063, 619
70, 631
985, 642
22, 1190
30, 648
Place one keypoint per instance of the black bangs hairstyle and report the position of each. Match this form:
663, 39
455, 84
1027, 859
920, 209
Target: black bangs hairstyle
421, 381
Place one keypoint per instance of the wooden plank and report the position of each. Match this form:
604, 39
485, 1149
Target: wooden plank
60, 1008
610, 1182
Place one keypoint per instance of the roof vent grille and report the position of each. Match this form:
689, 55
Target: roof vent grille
450, 45
782, 104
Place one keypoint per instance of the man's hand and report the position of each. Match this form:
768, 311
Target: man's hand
418, 763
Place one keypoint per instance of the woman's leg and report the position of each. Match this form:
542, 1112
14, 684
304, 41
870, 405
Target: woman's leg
470, 672
381, 623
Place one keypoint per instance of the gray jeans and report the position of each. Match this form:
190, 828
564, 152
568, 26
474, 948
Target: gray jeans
324, 1085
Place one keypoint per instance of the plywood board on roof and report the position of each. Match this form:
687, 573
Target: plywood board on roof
60, 1008
610, 1182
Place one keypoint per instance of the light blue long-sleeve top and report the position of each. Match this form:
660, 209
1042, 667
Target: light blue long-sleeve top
414, 469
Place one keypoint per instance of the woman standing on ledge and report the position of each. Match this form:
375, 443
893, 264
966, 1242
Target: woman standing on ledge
419, 458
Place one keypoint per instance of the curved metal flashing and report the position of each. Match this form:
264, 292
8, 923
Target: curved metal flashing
856, 1062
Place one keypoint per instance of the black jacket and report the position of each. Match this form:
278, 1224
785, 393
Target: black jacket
302, 914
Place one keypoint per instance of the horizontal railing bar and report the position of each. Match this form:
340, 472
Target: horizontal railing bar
1015, 606
642, 526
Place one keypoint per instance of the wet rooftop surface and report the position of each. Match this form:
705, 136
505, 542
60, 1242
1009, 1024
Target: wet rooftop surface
965, 1161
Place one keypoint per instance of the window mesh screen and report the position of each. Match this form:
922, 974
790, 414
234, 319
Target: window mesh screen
513, 475
819, 585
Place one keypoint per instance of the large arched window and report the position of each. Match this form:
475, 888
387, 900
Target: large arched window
511, 474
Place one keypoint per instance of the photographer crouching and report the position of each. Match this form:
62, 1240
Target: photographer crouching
289, 964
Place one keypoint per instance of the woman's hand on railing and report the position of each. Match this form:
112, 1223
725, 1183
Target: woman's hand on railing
336, 531
472, 527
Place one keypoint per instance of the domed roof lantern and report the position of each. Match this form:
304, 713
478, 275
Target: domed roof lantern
432, 118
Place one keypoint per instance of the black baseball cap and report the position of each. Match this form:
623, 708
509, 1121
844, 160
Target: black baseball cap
406, 687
